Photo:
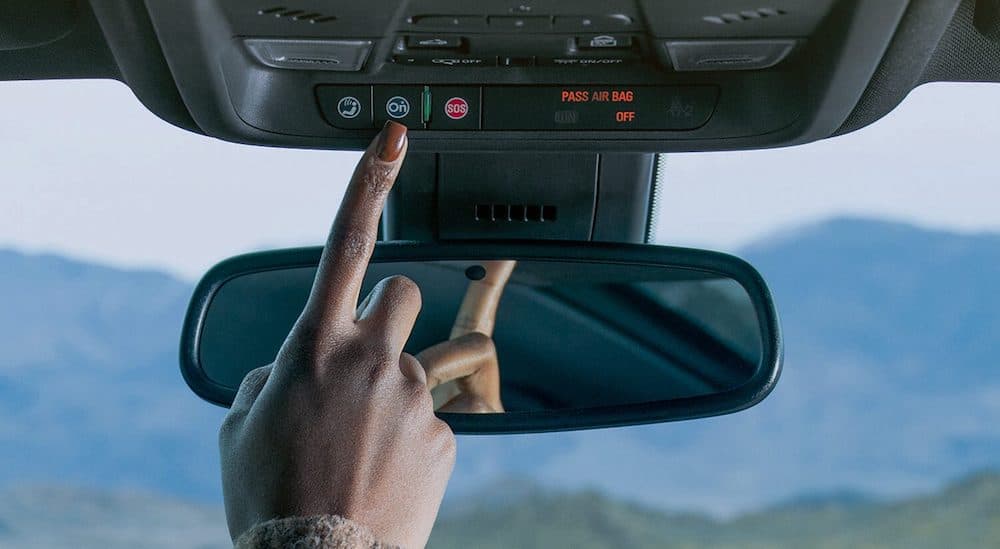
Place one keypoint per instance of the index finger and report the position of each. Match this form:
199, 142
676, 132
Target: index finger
355, 228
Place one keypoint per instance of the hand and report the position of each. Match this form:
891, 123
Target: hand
466, 374
463, 372
343, 423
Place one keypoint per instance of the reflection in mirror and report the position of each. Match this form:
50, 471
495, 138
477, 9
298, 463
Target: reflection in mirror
561, 334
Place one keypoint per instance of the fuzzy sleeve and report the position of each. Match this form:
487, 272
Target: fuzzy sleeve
319, 532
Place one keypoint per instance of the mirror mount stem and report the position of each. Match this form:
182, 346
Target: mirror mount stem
522, 196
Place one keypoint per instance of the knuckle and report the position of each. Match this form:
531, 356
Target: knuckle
377, 374
421, 397
414, 371
409, 360
230, 425
379, 351
481, 341
377, 358
378, 176
446, 438
254, 378
352, 242
312, 344
250, 387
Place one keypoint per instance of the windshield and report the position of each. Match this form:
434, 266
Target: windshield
882, 248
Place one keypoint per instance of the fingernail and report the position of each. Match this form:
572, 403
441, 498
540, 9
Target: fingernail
391, 141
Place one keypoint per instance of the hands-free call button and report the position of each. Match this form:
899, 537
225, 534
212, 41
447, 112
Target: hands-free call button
346, 107
349, 107
403, 104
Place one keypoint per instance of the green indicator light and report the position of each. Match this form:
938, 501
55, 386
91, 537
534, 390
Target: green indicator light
427, 104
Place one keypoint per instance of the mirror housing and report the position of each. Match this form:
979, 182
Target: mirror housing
631, 258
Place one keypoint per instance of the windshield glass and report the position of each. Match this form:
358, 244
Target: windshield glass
882, 248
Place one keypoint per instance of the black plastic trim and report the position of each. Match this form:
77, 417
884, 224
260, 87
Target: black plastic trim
129, 35
734, 400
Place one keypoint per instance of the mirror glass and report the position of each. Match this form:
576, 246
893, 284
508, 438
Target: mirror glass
566, 334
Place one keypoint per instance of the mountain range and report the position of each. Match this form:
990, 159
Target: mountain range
890, 388
891, 385
963, 514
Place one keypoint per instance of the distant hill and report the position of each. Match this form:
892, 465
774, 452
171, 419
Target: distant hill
965, 514
90, 391
58, 517
922, 305
891, 385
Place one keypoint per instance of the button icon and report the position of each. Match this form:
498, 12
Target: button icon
453, 108
604, 41
566, 117
434, 42
403, 104
349, 107
456, 108
458, 61
679, 109
588, 61
397, 107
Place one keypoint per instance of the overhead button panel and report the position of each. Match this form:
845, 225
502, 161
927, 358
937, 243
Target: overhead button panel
529, 108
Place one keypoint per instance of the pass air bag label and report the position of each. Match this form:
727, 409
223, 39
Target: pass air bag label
665, 108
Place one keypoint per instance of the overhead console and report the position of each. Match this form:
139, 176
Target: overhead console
490, 75
535, 108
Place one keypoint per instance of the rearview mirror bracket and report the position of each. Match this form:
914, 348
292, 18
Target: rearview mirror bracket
522, 196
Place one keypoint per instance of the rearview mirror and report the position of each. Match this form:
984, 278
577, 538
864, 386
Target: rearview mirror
585, 335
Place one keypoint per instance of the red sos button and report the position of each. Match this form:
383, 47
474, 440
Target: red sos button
456, 108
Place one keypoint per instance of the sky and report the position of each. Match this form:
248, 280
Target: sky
88, 172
